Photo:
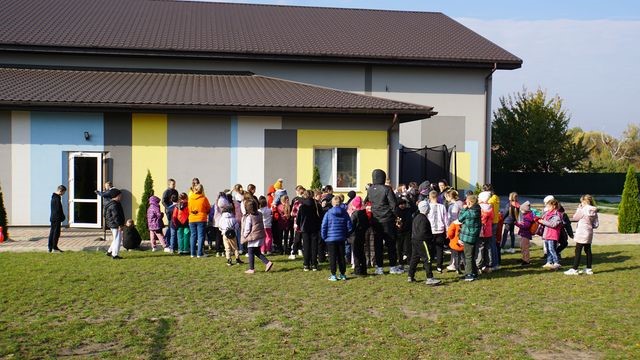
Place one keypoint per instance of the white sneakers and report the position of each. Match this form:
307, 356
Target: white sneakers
511, 250
379, 271
167, 250
451, 268
547, 265
292, 257
395, 270
572, 271
588, 271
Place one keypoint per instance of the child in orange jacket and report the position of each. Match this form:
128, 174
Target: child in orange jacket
456, 246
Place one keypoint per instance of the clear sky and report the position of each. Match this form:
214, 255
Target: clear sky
585, 51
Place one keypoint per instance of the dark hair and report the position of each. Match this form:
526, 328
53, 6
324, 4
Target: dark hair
62, 188
174, 197
327, 188
487, 187
402, 201
250, 206
262, 202
184, 196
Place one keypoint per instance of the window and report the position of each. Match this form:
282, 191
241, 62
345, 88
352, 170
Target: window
338, 167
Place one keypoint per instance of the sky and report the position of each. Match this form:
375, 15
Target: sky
585, 51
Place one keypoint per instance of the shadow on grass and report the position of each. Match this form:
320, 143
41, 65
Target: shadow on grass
160, 340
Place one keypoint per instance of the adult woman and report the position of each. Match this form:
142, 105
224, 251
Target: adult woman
309, 221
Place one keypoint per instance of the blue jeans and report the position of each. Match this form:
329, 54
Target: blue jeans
552, 256
173, 238
197, 233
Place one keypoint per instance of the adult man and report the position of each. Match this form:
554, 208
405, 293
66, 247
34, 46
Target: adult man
383, 205
56, 218
167, 196
114, 219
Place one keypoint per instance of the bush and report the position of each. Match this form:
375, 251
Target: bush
316, 184
629, 213
3, 217
141, 218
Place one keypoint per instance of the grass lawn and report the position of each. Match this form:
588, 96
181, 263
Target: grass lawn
153, 305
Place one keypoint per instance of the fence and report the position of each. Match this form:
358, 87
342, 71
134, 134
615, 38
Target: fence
551, 183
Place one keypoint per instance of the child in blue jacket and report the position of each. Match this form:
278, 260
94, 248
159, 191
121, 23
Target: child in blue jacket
336, 228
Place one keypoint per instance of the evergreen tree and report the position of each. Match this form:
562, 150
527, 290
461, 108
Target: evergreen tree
141, 219
3, 216
629, 214
316, 184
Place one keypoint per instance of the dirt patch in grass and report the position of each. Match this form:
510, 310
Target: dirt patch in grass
277, 325
565, 353
428, 315
88, 349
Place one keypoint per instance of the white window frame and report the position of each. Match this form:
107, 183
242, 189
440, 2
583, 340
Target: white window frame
334, 166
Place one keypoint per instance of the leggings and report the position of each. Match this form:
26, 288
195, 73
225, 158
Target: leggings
587, 250
439, 240
253, 253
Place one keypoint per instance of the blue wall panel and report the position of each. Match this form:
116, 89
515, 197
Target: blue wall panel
53, 136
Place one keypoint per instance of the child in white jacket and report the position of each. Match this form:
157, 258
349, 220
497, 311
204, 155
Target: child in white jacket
439, 219
229, 228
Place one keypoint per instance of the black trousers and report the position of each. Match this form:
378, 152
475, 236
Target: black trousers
439, 241
421, 250
403, 247
336, 254
563, 242
359, 258
54, 235
385, 234
322, 249
310, 248
587, 251
470, 256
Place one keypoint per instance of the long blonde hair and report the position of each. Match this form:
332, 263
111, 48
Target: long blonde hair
588, 198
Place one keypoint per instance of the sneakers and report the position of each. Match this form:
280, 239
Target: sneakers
571, 271
343, 277
393, 270
588, 271
555, 266
379, 271
116, 257
411, 280
269, 266
547, 265
250, 271
332, 278
306, 268
496, 268
202, 256
108, 253
239, 261
292, 257
218, 254
502, 251
469, 277
439, 270
153, 249
300, 253
511, 251
451, 268
314, 268
432, 281
167, 250
229, 263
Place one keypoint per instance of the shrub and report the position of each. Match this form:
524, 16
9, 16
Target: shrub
629, 213
3, 216
141, 218
316, 184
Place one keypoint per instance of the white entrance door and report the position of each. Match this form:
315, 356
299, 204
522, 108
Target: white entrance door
85, 177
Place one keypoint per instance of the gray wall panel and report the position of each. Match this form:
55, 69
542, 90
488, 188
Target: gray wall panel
447, 130
198, 146
5, 157
335, 123
117, 142
280, 158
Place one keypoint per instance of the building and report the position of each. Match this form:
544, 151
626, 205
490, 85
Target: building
230, 93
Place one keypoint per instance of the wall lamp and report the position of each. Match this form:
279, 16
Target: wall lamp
87, 135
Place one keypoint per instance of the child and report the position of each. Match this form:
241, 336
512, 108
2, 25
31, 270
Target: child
173, 237
552, 222
524, 226
154, 220
587, 217
484, 260
403, 223
511, 213
221, 203
565, 233
438, 218
180, 220
360, 223
228, 226
266, 220
283, 217
131, 237
369, 239
253, 235
422, 244
335, 229
456, 246
470, 235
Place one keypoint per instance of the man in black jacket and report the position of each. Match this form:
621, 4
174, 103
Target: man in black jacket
383, 206
114, 218
56, 218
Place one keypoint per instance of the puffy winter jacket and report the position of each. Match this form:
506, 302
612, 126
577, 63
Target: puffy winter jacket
154, 215
382, 198
113, 214
552, 225
180, 217
336, 225
486, 217
453, 234
471, 225
525, 225
587, 217
198, 208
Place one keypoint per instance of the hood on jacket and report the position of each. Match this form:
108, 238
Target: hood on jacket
525, 206
590, 210
423, 207
222, 202
485, 206
356, 203
278, 184
484, 196
378, 176
154, 200
271, 190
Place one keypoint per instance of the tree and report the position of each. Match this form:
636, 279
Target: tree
629, 211
3, 216
610, 154
316, 184
141, 218
530, 134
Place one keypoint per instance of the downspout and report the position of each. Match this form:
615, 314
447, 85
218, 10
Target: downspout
487, 134
394, 123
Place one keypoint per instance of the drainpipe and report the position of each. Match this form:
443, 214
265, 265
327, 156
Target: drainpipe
390, 162
487, 134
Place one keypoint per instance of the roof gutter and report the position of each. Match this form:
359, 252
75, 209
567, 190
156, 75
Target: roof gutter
487, 133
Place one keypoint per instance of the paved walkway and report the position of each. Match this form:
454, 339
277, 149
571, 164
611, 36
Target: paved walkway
35, 238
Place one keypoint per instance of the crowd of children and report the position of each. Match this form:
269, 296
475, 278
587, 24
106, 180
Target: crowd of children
416, 223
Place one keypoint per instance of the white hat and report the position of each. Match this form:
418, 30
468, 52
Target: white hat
548, 198
423, 207
484, 196
525, 206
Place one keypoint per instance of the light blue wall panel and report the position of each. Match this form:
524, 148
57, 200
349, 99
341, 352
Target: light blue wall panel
53, 136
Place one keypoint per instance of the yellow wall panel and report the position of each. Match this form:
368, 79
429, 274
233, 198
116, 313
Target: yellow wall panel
148, 152
372, 149
464, 171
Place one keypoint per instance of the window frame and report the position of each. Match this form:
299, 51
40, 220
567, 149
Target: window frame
334, 166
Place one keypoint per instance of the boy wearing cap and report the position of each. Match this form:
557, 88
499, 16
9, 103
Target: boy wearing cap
422, 244
114, 219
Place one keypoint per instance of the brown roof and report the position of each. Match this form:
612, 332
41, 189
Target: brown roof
247, 30
181, 92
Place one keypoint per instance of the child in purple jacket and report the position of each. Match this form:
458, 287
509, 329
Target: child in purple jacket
155, 223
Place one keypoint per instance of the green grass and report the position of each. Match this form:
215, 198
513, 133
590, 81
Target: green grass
152, 305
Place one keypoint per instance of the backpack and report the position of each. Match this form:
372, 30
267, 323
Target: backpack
230, 233
533, 228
